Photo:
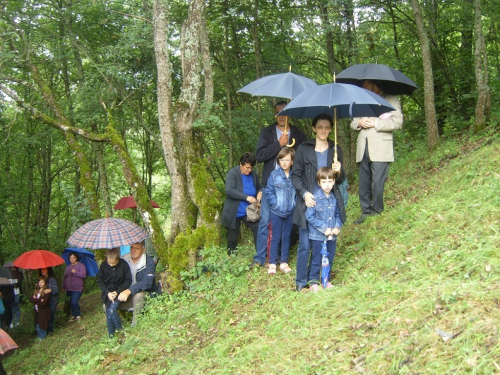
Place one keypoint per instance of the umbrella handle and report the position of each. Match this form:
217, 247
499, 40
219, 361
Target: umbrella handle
286, 130
335, 159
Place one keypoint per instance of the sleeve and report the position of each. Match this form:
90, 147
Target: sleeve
54, 290
100, 279
81, 271
298, 171
355, 123
340, 157
338, 219
270, 191
148, 280
231, 190
45, 299
391, 122
127, 279
267, 148
313, 220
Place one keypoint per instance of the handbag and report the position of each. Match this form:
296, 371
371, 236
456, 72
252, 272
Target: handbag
253, 212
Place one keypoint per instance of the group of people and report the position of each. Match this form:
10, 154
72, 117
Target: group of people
304, 184
124, 282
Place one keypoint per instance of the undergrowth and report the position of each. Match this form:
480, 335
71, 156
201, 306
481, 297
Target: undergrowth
417, 292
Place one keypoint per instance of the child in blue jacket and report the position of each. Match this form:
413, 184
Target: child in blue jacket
324, 224
280, 194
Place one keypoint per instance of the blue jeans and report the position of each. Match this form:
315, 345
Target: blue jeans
75, 306
53, 309
331, 247
113, 320
302, 276
263, 231
282, 230
41, 332
16, 310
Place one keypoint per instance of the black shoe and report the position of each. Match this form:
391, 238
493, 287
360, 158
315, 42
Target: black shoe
361, 220
298, 287
254, 264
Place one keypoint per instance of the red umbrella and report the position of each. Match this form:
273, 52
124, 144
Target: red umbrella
36, 259
6, 342
129, 202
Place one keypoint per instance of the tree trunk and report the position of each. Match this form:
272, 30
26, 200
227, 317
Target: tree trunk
481, 69
430, 109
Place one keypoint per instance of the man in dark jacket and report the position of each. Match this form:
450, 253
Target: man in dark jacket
271, 140
143, 270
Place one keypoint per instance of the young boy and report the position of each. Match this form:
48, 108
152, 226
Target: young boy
113, 278
324, 224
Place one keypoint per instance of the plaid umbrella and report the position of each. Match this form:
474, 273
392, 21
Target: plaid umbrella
6, 342
325, 265
37, 259
107, 233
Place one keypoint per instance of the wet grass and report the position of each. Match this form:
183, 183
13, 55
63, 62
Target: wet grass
417, 292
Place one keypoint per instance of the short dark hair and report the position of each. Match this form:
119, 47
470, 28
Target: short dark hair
248, 158
324, 173
322, 116
285, 152
281, 102
113, 253
75, 254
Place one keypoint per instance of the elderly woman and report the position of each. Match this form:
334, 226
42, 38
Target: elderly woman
73, 283
310, 157
242, 188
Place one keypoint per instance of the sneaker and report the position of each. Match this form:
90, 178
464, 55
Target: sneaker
271, 269
72, 319
314, 288
329, 285
285, 268
78, 318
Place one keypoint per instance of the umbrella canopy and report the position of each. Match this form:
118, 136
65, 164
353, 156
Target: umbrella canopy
348, 101
5, 272
8, 264
5, 282
87, 258
6, 342
325, 265
393, 81
107, 233
129, 202
284, 85
37, 259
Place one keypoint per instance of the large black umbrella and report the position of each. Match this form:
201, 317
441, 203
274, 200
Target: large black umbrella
283, 85
338, 100
393, 81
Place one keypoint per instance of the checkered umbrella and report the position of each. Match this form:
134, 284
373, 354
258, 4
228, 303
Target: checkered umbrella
6, 343
107, 234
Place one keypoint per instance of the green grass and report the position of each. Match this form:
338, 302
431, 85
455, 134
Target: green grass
429, 264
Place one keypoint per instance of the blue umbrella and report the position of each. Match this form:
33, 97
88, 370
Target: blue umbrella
338, 100
86, 258
325, 265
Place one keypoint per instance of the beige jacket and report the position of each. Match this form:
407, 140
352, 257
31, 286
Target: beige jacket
380, 140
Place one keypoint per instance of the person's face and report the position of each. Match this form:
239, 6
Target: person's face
246, 169
41, 284
322, 129
286, 162
136, 251
72, 259
112, 262
326, 184
370, 85
44, 272
280, 119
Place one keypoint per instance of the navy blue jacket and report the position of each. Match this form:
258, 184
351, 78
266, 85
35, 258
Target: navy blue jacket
269, 147
145, 278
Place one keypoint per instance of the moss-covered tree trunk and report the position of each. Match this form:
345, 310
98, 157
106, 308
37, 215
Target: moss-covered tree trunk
195, 200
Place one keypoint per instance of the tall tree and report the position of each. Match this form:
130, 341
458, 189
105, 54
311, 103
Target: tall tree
481, 65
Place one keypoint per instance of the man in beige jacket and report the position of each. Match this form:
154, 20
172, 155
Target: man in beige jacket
375, 151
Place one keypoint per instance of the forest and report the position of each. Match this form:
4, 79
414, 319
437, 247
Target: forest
100, 100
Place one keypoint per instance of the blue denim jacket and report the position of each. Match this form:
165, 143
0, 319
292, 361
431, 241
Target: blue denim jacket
326, 214
280, 193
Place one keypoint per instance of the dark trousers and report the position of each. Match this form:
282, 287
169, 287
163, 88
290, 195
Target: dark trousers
372, 177
234, 234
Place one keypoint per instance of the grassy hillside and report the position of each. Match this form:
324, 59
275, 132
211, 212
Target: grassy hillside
417, 292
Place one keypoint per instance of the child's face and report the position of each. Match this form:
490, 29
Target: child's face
326, 184
41, 284
112, 262
286, 162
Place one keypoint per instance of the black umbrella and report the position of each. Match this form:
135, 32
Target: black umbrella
5, 272
393, 81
